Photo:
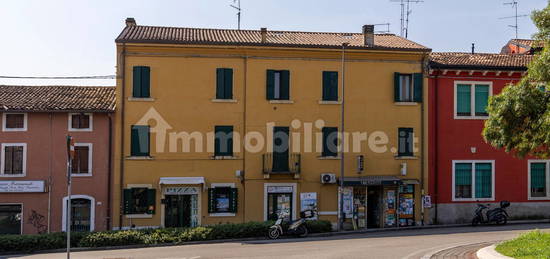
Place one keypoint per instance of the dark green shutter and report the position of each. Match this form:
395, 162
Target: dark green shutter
285, 85
538, 180
228, 83
151, 201
223, 134
140, 140
396, 84
220, 89
463, 174
128, 202
145, 82
136, 85
212, 200
326, 86
330, 86
484, 180
463, 100
405, 137
329, 148
481, 99
234, 200
418, 86
270, 84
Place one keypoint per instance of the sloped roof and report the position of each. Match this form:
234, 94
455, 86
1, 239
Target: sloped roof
527, 43
459, 60
57, 98
177, 35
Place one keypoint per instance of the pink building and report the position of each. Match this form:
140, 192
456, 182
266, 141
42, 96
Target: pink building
35, 121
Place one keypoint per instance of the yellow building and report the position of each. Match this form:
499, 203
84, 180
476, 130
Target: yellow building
220, 126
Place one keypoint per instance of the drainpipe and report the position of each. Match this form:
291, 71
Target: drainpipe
341, 218
50, 115
122, 101
436, 155
243, 181
109, 171
422, 163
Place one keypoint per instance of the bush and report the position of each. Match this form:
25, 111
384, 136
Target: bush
319, 226
29, 243
113, 238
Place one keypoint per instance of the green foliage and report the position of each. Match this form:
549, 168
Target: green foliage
319, 226
29, 243
519, 117
532, 245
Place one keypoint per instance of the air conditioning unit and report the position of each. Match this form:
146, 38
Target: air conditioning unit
328, 178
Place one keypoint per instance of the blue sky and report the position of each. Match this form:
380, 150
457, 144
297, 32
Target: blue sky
76, 37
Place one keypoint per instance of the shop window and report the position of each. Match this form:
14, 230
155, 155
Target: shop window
14, 122
224, 83
222, 200
539, 175
408, 87
473, 180
10, 219
82, 161
139, 201
223, 142
471, 100
278, 85
406, 205
406, 142
279, 202
80, 121
140, 140
330, 86
330, 142
13, 159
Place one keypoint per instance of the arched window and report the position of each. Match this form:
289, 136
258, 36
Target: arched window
82, 213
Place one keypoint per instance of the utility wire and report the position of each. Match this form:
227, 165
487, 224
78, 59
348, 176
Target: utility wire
61, 77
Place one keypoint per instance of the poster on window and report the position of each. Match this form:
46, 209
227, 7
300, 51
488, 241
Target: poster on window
406, 205
222, 202
347, 193
308, 201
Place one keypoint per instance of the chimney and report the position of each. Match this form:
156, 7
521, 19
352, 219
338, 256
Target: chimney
473, 48
368, 35
130, 21
264, 34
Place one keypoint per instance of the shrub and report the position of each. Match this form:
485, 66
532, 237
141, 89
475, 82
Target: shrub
113, 238
29, 243
319, 226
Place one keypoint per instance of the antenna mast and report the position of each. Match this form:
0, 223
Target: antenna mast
387, 30
405, 13
238, 8
514, 5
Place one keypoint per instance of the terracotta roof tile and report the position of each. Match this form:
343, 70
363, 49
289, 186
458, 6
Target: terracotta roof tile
175, 35
57, 98
526, 42
479, 61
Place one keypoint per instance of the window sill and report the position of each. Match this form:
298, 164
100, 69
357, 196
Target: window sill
406, 103
406, 158
81, 175
80, 130
330, 102
139, 216
12, 175
472, 199
222, 214
14, 130
329, 158
224, 100
471, 117
224, 158
140, 99
140, 158
281, 101
538, 198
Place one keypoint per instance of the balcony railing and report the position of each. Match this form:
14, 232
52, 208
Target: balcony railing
281, 163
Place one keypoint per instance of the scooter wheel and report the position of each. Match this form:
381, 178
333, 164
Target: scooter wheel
302, 231
502, 220
475, 222
274, 233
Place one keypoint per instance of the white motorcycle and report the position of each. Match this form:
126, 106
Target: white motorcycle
297, 227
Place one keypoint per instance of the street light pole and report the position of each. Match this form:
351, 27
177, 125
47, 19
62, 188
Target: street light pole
341, 218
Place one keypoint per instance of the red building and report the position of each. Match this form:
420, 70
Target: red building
463, 169
33, 159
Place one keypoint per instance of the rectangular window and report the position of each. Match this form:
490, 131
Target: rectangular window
280, 149
406, 142
473, 180
223, 142
278, 85
82, 161
14, 122
222, 200
330, 86
80, 121
224, 83
140, 140
13, 159
539, 175
10, 219
141, 82
471, 99
330, 142
408, 87
139, 201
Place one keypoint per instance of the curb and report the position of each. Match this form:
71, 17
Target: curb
489, 252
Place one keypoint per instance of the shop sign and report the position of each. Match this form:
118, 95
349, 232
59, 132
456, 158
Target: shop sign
279, 189
181, 190
22, 186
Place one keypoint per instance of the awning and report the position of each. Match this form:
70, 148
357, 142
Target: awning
410, 181
372, 180
181, 180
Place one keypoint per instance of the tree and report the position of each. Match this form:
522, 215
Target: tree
519, 117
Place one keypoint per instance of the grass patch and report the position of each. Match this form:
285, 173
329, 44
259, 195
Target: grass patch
531, 245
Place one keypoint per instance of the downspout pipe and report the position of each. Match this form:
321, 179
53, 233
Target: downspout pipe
110, 172
423, 149
342, 124
436, 140
122, 71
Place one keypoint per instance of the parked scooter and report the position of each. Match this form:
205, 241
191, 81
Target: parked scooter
297, 227
496, 215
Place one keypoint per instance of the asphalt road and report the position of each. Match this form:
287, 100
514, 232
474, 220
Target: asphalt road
439, 243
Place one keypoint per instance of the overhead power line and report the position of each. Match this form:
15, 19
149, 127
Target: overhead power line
60, 77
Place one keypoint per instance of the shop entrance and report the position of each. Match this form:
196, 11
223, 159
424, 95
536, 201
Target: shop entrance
10, 219
277, 203
374, 206
177, 213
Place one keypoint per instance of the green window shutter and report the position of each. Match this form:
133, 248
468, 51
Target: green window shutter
330, 134
228, 83
326, 86
140, 140
330, 86
538, 180
285, 85
463, 100
481, 99
418, 86
463, 174
151, 200
145, 82
223, 142
136, 84
270, 85
220, 88
396, 84
211, 200
484, 180
234, 200
406, 141
128, 202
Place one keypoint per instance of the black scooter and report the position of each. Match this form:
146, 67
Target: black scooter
496, 215
297, 227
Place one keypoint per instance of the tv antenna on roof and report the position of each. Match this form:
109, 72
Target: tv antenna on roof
514, 5
383, 24
238, 8
405, 13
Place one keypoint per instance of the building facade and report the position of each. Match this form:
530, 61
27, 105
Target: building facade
236, 126
464, 170
33, 164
